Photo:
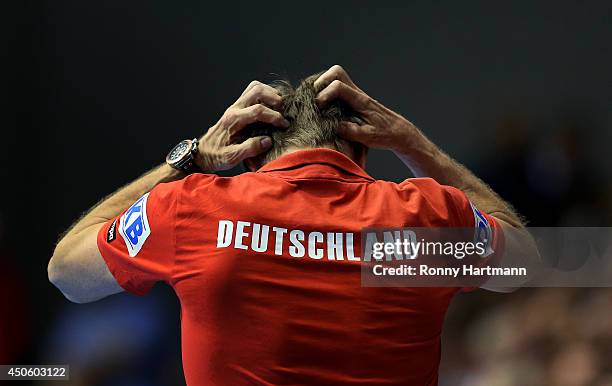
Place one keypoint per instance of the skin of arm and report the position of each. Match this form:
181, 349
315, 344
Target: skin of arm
78, 270
385, 129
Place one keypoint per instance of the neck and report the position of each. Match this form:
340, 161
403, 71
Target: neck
293, 149
354, 151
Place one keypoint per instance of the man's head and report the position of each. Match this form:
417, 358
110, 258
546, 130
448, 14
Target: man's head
309, 126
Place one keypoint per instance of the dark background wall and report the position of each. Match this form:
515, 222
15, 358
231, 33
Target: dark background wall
97, 92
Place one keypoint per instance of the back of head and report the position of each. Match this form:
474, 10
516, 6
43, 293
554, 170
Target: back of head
309, 126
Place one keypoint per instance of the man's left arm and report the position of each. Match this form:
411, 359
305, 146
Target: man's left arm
385, 129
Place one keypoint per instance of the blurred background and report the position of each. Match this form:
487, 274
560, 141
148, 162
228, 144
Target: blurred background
97, 92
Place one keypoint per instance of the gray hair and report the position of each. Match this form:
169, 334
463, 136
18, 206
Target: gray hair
309, 126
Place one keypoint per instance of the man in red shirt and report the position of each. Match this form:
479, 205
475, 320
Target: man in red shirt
267, 264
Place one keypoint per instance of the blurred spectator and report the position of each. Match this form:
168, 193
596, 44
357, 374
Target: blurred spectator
543, 336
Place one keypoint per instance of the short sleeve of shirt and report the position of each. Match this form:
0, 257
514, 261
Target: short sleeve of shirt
486, 229
468, 215
138, 246
455, 207
459, 212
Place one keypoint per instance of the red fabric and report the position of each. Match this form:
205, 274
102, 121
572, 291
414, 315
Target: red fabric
253, 317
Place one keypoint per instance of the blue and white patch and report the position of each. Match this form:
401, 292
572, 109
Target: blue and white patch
483, 232
134, 226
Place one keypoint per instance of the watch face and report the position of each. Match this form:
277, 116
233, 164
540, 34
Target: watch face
179, 151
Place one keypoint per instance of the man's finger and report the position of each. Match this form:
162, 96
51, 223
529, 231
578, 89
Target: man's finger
260, 93
256, 113
339, 90
253, 146
354, 132
250, 86
335, 72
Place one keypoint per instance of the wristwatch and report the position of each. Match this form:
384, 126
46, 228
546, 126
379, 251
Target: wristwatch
182, 156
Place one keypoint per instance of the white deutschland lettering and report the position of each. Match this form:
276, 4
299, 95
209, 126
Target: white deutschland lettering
316, 245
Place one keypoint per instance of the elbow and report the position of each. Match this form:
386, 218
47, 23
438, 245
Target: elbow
511, 219
58, 271
54, 271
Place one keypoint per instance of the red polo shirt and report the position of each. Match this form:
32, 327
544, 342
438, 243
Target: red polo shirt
266, 267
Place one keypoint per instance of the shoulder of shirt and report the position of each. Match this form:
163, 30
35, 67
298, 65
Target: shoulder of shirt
195, 179
430, 189
425, 187
420, 183
421, 186
190, 183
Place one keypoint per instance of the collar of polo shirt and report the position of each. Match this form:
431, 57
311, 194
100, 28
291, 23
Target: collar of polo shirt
326, 161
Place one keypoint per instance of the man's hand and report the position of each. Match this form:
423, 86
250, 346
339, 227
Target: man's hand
381, 128
385, 129
218, 150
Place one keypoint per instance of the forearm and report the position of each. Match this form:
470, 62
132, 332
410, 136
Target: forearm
115, 203
425, 159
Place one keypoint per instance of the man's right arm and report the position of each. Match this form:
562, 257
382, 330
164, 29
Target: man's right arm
77, 267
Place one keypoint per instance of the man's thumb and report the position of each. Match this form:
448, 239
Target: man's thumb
350, 131
256, 145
